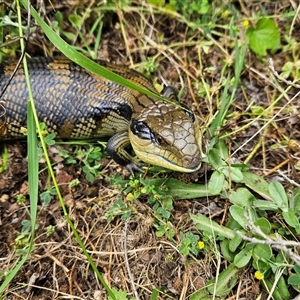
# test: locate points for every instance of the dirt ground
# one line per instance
(130, 251)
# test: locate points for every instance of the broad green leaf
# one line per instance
(241, 167)
(181, 190)
(216, 182)
(155, 293)
(75, 20)
(238, 213)
(233, 224)
(264, 225)
(265, 36)
(226, 253)
(268, 284)
(265, 205)
(234, 243)
(290, 218)
(215, 159)
(294, 279)
(278, 195)
(200, 294)
(297, 203)
(118, 294)
(206, 224)
(257, 184)
(261, 265)
(243, 258)
(281, 257)
(287, 69)
(242, 197)
(283, 289)
(297, 269)
(203, 7)
(223, 150)
(234, 174)
(261, 251)
(223, 284)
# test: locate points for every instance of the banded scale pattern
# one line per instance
(74, 103)
(71, 102)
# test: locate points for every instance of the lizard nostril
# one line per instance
(190, 161)
(186, 160)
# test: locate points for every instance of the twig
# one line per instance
(288, 82)
(288, 179)
(293, 23)
(245, 290)
(276, 244)
(33, 278)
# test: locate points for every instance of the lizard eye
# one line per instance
(159, 139)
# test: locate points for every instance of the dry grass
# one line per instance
(261, 129)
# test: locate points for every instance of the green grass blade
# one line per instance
(33, 117)
(12, 274)
(226, 101)
(33, 167)
(81, 60)
(219, 119)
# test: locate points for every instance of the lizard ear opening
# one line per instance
(144, 132)
(141, 129)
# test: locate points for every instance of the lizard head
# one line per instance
(167, 136)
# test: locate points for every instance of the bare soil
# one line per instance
(57, 268)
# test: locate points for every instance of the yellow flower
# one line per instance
(246, 23)
(259, 275)
(201, 245)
